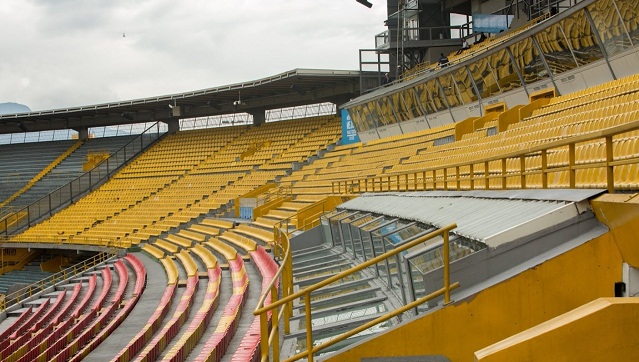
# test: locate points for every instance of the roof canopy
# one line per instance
(292, 88)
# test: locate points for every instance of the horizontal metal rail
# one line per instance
(449, 177)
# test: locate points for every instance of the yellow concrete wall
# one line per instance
(555, 287)
(620, 212)
(603, 330)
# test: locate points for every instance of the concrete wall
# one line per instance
(603, 330)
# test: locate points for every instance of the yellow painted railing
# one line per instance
(450, 177)
(54, 239)
(30, 290)
(270, 338)
(284, 276)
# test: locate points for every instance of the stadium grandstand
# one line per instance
(478, 208)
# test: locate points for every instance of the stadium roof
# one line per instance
(288, 89)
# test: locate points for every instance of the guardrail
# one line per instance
(29, 291)
(55, 239)
(283, 306)
(284, 276)
(442, 177)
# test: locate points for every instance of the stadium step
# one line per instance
(333, 268)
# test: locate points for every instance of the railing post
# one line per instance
(309, 326)
(446, 253)
(274, 327)
(486, 174)
(544, 169)
(445, 178)
(434, 180)
(264, 335)
(522, 171)
(457, 180)
(504, 183)
(571, 165)
(423, 180)
(610, 170)
(289, 285)
(286, 291)
(472, 176)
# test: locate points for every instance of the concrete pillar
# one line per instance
(174, 125)
(83, 133)
(259, 116)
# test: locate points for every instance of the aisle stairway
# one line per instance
(341, 306)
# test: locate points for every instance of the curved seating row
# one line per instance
(138, 289)
(158, 343)
(155, 320)
(198, 325)
(249, 346)
(69, 329)
(61, 326)
(216, 345)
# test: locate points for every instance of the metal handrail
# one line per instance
(362, 185)
(263, 311)
(30, 290)
(54, 239)
(281, 248)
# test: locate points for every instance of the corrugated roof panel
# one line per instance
(477, 217)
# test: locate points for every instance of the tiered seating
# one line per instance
(188, 336)
(70, 167)
(106, 330)
(178, 179)
(196, 328)
(365, 161)
(41, 174)
(607, 105)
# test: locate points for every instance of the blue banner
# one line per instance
(349, 133)
(488, 23)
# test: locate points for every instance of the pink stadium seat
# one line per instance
(201, 320)
(4, 337)
(216, 345)
(164, 336)
(106, 330)
(251, 340)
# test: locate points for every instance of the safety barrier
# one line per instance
(270, 337)
(450, 177)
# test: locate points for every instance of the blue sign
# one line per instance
(349, 133)
(488, 23)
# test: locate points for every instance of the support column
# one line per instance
(83, 133)
(173, 124)
(259, 116)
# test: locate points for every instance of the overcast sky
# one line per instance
(61, 53)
